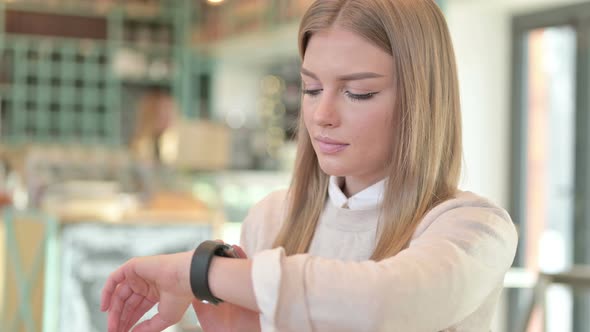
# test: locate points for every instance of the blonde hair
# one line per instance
(426, 141)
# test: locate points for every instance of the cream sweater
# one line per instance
(448, 279)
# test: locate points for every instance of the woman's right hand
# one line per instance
(226, 317)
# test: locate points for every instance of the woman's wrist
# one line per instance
(229, 279)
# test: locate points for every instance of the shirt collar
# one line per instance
(367, 199)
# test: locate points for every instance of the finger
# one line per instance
(141, 309)
(241, 253)
(130, 306)
(121, 294)
(202, 311)
(110, 286)
(154, 324)
(198, 305)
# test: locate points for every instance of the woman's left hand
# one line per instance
(142, 282)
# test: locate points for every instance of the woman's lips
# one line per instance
(328, 146)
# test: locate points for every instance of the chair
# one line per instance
(28, 253)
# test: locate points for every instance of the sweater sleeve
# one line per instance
(441, 278)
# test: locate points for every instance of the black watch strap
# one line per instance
(199, 271)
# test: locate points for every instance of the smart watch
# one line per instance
(199, 271)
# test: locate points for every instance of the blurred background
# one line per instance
(139, 127)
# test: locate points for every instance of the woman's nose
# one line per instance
(326, 113)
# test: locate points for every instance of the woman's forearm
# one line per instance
(231, 280)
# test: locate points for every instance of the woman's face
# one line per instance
(348, 106)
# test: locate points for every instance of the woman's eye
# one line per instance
(312, 92)
(365, 96)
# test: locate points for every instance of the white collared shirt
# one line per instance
(367, 199)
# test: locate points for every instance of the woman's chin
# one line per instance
(332, 168)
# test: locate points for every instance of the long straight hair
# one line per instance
(426, 143)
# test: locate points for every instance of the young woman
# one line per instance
(373, 233)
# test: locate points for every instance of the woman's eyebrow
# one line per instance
(347, 77)
(308, 73)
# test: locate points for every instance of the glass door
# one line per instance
(550, 136)
(551, 58)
